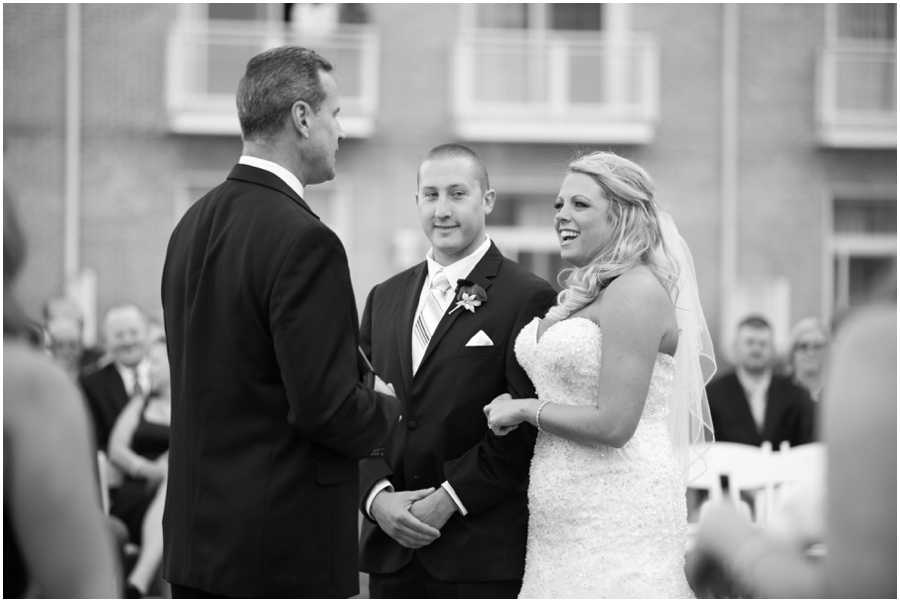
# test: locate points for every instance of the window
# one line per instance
(521, 226)
(864, 248)
(554, 73)
(867, 21)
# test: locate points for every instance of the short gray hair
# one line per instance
(273, 82)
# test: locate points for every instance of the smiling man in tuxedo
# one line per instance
(447, 505)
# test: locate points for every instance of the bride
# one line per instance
(621, 403)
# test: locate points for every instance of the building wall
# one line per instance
(133, 166)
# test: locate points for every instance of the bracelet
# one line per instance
(537, 416)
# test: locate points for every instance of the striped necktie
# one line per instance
(429, 317)
(137, 390)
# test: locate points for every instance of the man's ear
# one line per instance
(300, 114)
(489, 197)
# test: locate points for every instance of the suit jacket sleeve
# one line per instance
(372, 469)
(312, 316)
(489, 472)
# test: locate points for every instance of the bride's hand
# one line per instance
(504, 414)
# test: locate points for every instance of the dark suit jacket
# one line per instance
(269, 417)
(106, 397)
(790, 412)
(443, 434)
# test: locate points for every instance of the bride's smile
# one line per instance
(581, 218)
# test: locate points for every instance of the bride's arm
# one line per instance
(634, 314)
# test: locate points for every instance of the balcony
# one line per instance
(206, 61)
(559, 88)
(857, 96)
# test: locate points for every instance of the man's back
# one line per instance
(267, 412)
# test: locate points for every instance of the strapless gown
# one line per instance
(604, 522)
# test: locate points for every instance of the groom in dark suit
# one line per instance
(269, 416)
(443, 334)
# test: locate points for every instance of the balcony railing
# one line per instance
(857, 98)
(558, 88)
(206, 62)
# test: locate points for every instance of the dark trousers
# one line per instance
(413, 581)
(183, 591)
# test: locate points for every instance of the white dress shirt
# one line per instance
(756, 388)
(127, 374)
(274, 168)
(455, 271)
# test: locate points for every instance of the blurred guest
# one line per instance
(64, 327)
(751, 404)
(55, 541)
(860, 429)
(809, 341)
(109, 387)
(139, 446)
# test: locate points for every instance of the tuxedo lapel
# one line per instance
(410, 291)
(482, 275)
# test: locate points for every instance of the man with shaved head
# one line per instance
(447, 503)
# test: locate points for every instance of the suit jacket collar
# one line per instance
(482, 275)
(261, 177)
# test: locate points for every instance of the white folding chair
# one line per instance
(103, 473)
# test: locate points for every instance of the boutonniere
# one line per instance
(468, 295)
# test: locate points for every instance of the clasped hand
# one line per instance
(397, 515)
(504, 414)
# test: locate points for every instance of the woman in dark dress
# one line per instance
(139, 446)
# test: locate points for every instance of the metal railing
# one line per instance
(565, 78)
(205, 63)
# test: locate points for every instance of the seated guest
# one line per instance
(64, 328)
(751, 405)
(809, 343)
(108, 387)
(139, 447)
(859, 425)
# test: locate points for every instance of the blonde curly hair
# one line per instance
(636, 237)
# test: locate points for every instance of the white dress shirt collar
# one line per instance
(127, 374)
(756, 388)
(274, 168)
(459, 269)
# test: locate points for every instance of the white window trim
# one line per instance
(843, 246)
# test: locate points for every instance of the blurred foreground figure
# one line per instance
(55, 543)
(860, 430)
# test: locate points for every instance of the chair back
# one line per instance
(103, 475)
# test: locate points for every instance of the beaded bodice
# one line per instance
(604, 521)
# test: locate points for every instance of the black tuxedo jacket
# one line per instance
(106, 397)
(269, 418)
(790, 412)
(443, 433)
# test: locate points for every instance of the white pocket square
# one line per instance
(480, 340)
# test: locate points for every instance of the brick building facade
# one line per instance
(777, 160)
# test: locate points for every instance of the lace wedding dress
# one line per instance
(604, 522)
